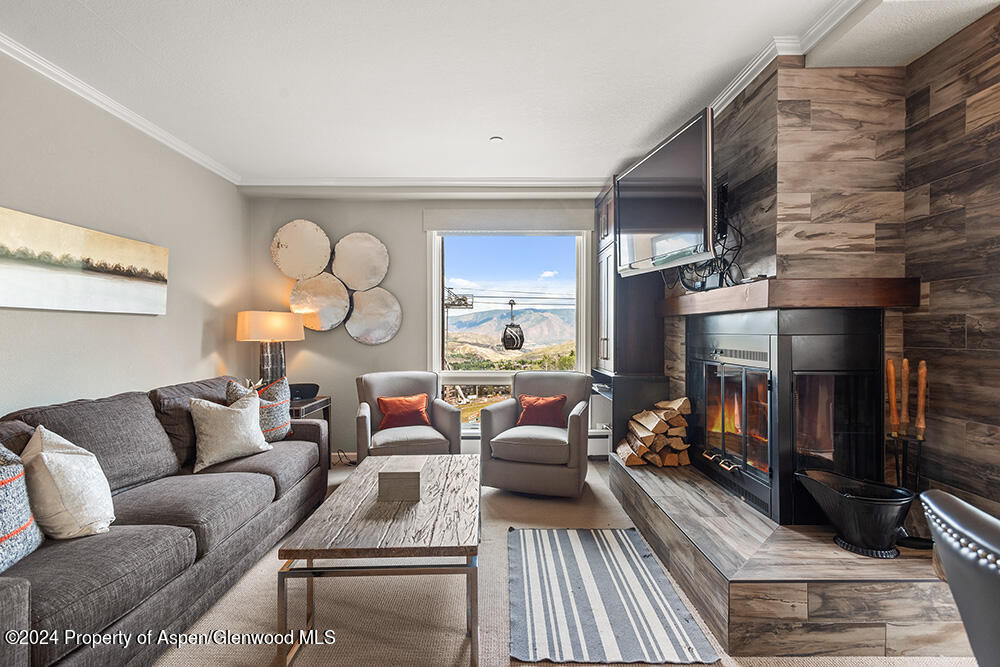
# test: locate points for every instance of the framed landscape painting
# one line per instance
(56, 266)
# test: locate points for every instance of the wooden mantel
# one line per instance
(799, 293)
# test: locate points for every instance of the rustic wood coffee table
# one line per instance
(352, 523)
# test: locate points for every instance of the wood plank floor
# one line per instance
(770, 590)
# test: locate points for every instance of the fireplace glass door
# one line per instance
(836, 423)
(737, 415)
(757, 421)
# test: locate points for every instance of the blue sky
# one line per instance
(504, 266)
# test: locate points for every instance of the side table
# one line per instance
(303, 407)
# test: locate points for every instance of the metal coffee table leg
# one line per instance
(285, 655)
(309, 598)
(282, 651)
(472, 608)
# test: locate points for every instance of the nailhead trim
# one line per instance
(966, 546)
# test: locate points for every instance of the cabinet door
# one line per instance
(605, 309)
(606, 217)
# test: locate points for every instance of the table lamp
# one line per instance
(271, 329)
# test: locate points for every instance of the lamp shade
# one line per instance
(269, 326)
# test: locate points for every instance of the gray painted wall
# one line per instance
(68, 160)
(332, 358)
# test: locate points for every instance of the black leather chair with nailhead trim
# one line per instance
(967, 542)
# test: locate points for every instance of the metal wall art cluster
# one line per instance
(348, 292)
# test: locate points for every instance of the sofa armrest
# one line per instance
(448, 420)
(14, 615)
(494, 420)
(313, 430)
(363, 424)
(579, 433)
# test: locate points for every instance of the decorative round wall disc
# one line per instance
(376, 316)
(321, 300)
(301, 249)
(360, 260)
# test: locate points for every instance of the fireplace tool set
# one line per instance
(903, 442)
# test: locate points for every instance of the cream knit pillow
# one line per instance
(223, 433)
(67, 489)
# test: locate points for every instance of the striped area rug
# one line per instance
(596, 596)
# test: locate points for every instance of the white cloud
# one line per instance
(462, 283)
(548, 274)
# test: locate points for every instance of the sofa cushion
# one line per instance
(275, 404)
(122, 431)
(532, 444)
(172, 405)
(286, 464)
(85, 584)
(213, 506)
(69, 493)
(227, 432)
(408, 440)
(19, 532)
(14, 435)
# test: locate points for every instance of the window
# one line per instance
(470, 399)
(475, 277)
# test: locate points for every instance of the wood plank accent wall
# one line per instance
(746, 158)
(840, 172)
(952, 244)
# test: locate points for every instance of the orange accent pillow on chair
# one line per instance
(403, 411)
(542, 410)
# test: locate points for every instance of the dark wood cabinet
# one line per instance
(605, 219)
(605, 309)
(629, 333)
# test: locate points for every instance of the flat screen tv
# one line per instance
(664, 203)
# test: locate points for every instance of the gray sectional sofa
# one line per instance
(179, 540)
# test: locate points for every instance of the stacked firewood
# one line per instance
(657, 436)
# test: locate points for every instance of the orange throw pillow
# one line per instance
(542, 410)
(403, 411)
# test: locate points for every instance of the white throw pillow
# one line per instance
(223, 433)
(67, 489)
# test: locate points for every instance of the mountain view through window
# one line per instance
(482, 275)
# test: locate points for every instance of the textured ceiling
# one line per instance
(322, 89)
(894, 32)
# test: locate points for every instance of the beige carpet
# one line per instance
(420, 620)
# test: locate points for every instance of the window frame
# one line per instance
(435, 282)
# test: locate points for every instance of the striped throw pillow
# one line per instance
(19, 534)
(275, 418)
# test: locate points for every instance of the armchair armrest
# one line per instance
(363, 424)
(448, 420)
(578, 434)
(494, 420)
(14, 616)
(313, 430)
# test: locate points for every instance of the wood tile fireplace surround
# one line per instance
(867, 174)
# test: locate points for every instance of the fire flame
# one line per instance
(734, 421)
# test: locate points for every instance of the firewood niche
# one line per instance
(657, 436)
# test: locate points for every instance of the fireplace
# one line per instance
(775, 391)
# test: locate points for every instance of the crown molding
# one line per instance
(415, 187)
(763, 58)
(825, 24)
(50, 70)
(425, 188)
(787, 45)
(431, 182)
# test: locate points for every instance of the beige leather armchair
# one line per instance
(545, 460)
